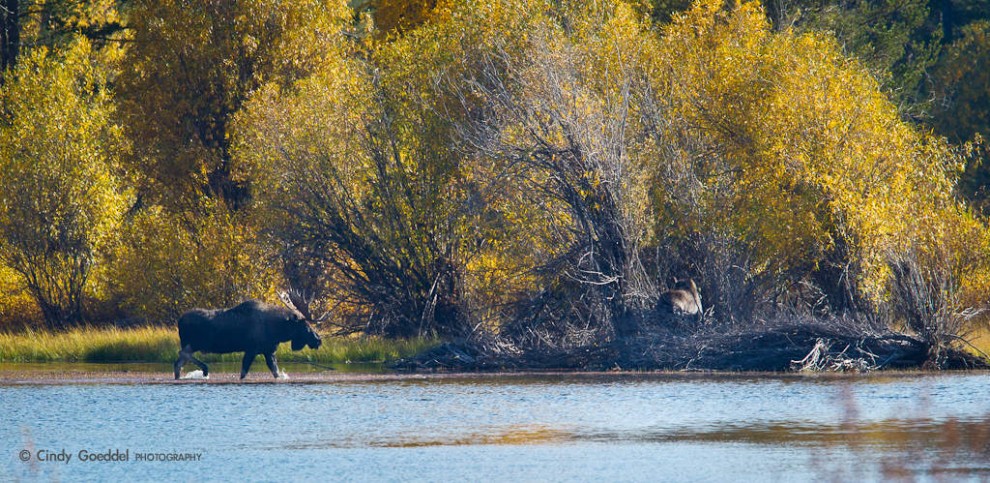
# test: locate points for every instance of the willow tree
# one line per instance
(191, 66)
(557, 112)
(758, 161)
(796, 157)
(355, 187)
(61, 196)
(189, 70)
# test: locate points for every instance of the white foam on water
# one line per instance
(283, 375)
(195, 375)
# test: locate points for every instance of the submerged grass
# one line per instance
(161, 344)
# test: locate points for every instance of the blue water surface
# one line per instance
(557, 428)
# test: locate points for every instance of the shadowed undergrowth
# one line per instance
(160, 344)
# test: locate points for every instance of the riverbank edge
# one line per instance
(53, 376)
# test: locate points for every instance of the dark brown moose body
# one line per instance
(253, 327)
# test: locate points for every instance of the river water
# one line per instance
(504, 428)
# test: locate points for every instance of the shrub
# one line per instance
(168, 263)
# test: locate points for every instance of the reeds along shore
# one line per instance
(161, 344)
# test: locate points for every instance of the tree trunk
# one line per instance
(10, 34)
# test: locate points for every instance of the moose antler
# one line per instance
(300, 302)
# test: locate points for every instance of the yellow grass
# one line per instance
(160, 344)
(980, 338)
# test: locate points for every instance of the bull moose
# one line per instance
(683, 300)
(253, 327)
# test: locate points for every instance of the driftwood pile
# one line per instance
(807, 345)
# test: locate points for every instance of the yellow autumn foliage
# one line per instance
(62, 195)
(190, 67)
(168, 263)
(797, 148)
(462, 160)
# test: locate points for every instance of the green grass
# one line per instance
(159, 344)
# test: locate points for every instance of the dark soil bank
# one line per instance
(793, 347)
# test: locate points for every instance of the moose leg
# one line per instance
(272, 364)
(246, 363)
(186, 355)
(201, 364)
(183, 357)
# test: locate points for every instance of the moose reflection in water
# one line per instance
(253, 327)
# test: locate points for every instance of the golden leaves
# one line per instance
(62, 196)
(807, 142)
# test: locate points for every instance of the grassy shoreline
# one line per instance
(161, 344)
